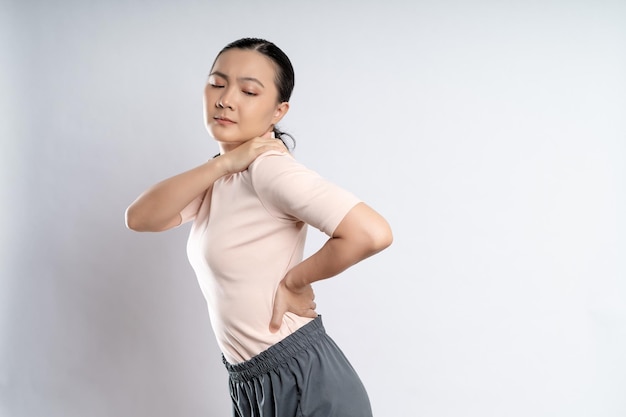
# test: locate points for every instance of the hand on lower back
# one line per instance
(299, 301)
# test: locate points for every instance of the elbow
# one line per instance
(135, 221)
(365, 230)
(132, 220)
(387, 239)
(375, 238)
(381, 238)
(141, 220)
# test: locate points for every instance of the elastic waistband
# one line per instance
(277, 354)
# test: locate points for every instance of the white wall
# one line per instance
(492, 136)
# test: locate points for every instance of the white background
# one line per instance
(491, 135)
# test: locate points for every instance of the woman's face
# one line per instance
(241, 98)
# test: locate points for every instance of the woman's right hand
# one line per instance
(243, 155)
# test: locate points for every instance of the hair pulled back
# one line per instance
(285, 77)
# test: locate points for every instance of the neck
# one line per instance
(227, 147)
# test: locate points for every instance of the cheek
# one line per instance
(259, 112)
(267, 111)
(207, 97)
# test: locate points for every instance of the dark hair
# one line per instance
(285, 77)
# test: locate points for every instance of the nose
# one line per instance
(224, 100)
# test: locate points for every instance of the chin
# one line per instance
(226, 138)
(220, 137)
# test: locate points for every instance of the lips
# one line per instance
(222, 119)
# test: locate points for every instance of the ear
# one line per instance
(280, 112)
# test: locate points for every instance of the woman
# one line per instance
(250, 208)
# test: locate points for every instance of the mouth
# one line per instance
(223, 120)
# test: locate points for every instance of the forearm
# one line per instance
(334, 257)
(158, 207)
(361, 234)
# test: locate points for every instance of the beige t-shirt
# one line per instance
(249, 229)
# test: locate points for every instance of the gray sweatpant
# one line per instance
(304, 375)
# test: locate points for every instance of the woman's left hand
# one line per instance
(299, 301)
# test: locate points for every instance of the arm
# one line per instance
(159, 207)
(362, 233)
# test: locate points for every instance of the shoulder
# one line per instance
(273, 157)
(272, 165)
(288, 189)
(280, 178)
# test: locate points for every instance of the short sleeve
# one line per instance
(290, 191)
(191, 210)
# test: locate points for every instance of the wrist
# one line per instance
(220, 165)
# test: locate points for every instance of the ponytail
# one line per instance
(279, 134)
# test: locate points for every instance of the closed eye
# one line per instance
(216, 85)
(249, 93)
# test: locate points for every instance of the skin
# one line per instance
(240, 109)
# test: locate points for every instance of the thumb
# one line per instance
(277, 319)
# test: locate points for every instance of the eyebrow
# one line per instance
(222, 75)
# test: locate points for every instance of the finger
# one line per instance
(275, 146)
